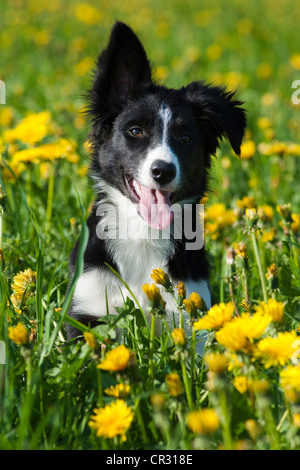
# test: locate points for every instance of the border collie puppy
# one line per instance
(152, 149)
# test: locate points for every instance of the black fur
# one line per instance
(124, 94)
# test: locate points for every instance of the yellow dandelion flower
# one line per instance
(31, 129)
(276, 351)
(161, 73)
(268, 235)
(90, 339)
(116, 359)
(216, 362)
(247, 150)
(212, 229)
(17, 298)
(264, 123)
(290, 377)
(284, 210)
(153, 294)
(174, 384)
(213, 52)
(241, 249)
(205, 421)
(234, 361)
(246, 202)
(113, 420)
(295, 61)
(6, 116)
(23, 286)
(259, 385)
(295, 225)
(239, 333)
(178, 335)
(296, 419)
(62, 148)
(265, 213)
(264, 70)
(24, 281)
(118, 391)
(160, 277)
(18, 333)
(274, 148)
(87, 13)
(272, 271)
(194, 302)
(84, 66)
(216, 316)
(273, 308)
(241, 383)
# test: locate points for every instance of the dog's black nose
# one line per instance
(162, 172)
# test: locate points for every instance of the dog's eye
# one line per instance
(136, 132)
(185, 138)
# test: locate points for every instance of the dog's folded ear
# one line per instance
(218, 114)
(122, 73)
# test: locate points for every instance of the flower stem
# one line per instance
(140, 420)
(226, 420)
(193, 358)
(50, 194)
(261, 274)
(151, 348)
(100, 389)
(187, 385)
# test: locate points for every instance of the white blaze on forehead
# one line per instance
(166, 116)
(161, 152)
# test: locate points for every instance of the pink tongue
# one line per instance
(155, 208)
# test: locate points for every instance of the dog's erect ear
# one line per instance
(218, 114)
(123, 72)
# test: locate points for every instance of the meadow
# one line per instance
(140, 391)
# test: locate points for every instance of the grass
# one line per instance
(50, 389)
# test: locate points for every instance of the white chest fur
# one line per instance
(136, 255)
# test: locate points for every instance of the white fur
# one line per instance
(161, 152)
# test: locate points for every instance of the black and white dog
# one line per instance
(152, 149)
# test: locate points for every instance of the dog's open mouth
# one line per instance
(153, 205)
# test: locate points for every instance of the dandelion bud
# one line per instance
(285, 211)
(272, 276)
(174, 385)
(158, 401)
(216, 362)
(90, 339)
(154, 295)
(160, 277)
(296, 420)
(178, 335)
(181, 289)
(194, 303)
(205, 421)
(253, 428)
(251, 214)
